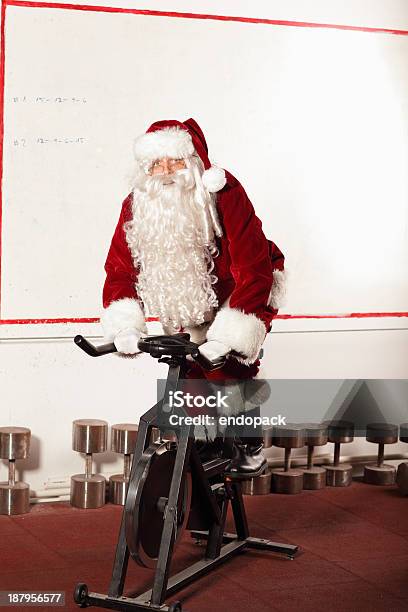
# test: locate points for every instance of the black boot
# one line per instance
(248, 460)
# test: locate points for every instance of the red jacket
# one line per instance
(249, 269)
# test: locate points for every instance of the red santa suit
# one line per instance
(249, 271)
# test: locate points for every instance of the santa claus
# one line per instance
(189, 249)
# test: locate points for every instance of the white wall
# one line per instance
(46, 382)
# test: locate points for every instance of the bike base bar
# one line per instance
(200, 568)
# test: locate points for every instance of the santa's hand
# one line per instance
(126, 341)
(213, 350)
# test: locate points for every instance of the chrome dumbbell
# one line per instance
(402, 472)
(314, 477)
(286, 479)
(380, 473)
(259, 485)
(339, 474)
(14, 495)
(123, 441)
(88, 436)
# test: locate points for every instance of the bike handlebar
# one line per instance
(92, 350)
(159, 346)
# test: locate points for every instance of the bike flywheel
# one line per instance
(146, 503)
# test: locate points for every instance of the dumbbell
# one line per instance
(123, 441)
(287, 480)
(267, 436)
(314, 477)
(260, 485)
(88, 436)
(381, 434)
(402, 472)
(14, 495)
(404, 432)
(339, 474)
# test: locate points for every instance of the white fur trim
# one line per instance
(122, 314)
(277, 295)
(214, 179)
(242, 332)
(171, 142)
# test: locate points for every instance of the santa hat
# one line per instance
(176, 139)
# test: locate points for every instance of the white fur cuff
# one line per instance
(122, 314)
(244, 333)
(278, 292)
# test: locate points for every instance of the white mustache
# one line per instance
(182, 178)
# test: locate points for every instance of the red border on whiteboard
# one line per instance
(106, 9)
(284, 317)
(2, 66)
(276, 22)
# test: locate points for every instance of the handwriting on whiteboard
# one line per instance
(48, 100)
(25, 142)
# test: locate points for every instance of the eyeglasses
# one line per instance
(160, 166)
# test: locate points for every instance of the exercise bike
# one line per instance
(170, 489)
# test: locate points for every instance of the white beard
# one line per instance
(168, 239)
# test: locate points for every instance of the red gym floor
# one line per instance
(354, 554)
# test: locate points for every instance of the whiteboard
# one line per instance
(314, 123)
